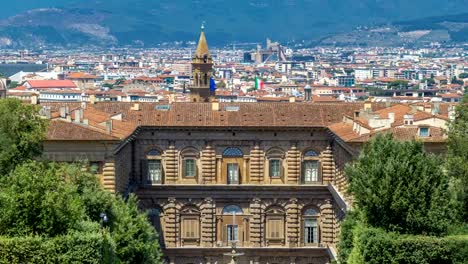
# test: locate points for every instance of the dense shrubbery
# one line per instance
(74, 248)
(47, 202)
(374, 245)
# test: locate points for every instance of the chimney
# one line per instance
(292, 99)
(172, 98)
(109, 126)
(135, 107)
(62, 112)
(77, 116)
(34, 99)
(391, 116)
(368, 106)
(436, 108)
(215, 106)
(92, 99)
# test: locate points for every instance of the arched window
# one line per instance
(190, 225)
(206, 79)
(311, 167)
(275, 225)
(233, 152)
(153, 167)
(232, 156)
(310, 226)
(232, 227)
(232, 209)
(275, 159)
(154, 152)
(310, 153)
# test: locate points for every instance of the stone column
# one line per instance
(208, 161)
(256, 165)
(109, 181)
(208, 229)
(294, 165)
(172, 164)
(171, 223)
(328, 166)
(327, 227)
(293, 223)
(256, 223)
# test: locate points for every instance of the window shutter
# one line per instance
(224, 236)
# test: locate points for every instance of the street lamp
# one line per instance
(104, 219)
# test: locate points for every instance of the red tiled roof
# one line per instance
(61, 130)
(41, 84)
(80, 75)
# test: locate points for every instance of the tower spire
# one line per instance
(202, 47)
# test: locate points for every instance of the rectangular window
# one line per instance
(275, 168)
(310, 231)
(233, 173)
(424, 132)
(190, 228)
(275, 229)
(154, 171)
(190, 168)
(232, 234)
(311, 170)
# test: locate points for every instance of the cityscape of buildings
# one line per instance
(237, 155)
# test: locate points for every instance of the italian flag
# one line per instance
(259, 84)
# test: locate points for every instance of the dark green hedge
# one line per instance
(371, 245)
(76, 248)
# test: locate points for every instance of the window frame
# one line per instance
(184, 167)
(428, 131)
(278, 216)
(279, 168)
(309, 157)
(149, 179)
(229, 181)
(153, 155)
(190, 217)
(316, 218)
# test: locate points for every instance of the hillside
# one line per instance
(445, 29)
(148, 22)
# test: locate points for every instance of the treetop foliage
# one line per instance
(399, 187)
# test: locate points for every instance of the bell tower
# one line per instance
(202, 71)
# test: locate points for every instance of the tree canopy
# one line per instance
(22, 131)
(51, 200)
(457, 155)
(399, 187)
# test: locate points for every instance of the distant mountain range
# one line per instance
(36, 23)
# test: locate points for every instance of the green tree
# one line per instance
(399, 187)
(457, 155)
(463, 75)
(456, 81)
(13, 84)
(51, 200)
(22, 131)
(399, 84)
